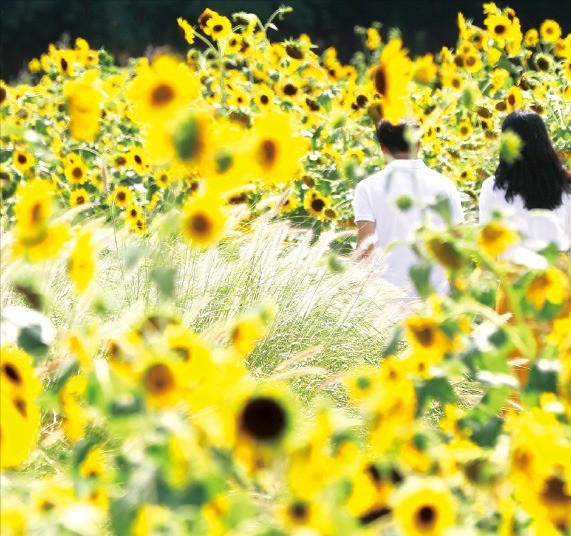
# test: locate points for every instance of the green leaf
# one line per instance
(420, 275)
(486, 434)
(442, 207)
(543, 376)
(164, 279)
(392, 346)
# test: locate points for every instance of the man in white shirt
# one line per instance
(392, 204)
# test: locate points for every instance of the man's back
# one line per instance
(379, 199)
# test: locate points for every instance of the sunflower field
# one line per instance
(189, 345)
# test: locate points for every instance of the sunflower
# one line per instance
(23, 161)
(33, 208)
(249, 329)
(499, 27)
(531, 38)
(161, 381)
(264, 98)
(316, 204)
(425, 335)
(160, 91)
(84, 101)
(373, 39)
(495, 238)
(20, 418)
(203, 221)
(132, 213)
(79, 197)
(425, 70)
(391, 78)
(82, 262)
(550, 31)
(233, 44)
(514, 99)
(425, 508)
(543, 62)
(187, 30)
(552, 286)
(121, 196)
(75, 169)
(465, 130)
(218, 27)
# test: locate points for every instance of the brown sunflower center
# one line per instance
(263, 418)
(138, 159)
(381, 81)
(200, 224)
(80, 200)
(554, 491)
(299, 511)
(77, 173)
(36, 213)
(499, 29)
(20, 404)
(269, 152)
(64, 64)
(120, 161)
(3, 94)
(162, 95)
(426, 516)
(12, 373)
(425, 336)
(22, 159)
(158, 379)
(318, 205)
(290, 90)
(121, 196)
(217, 28)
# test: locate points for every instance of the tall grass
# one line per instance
(340, 317)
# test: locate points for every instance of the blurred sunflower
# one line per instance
(203, 221)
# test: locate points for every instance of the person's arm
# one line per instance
(485, 203)
(365, 240)
(365, 221)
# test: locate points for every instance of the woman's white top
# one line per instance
(538, 227)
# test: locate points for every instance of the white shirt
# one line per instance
(376, 201)
(539, 227)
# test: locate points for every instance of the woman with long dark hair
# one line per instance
(536, 179)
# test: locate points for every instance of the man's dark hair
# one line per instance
(394, 138)
(537, 175)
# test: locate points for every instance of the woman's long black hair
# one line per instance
(537, 175)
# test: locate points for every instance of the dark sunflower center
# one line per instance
(269, 152)
(120, 161)
(264, 99)
(217, 28)
(294, 52)
(121, 196)
(290, 90)
(64, 64)
(138, 159)
(140, 225)
(374, 514)
(200, 224)
(381, 81)
(542, 64)
(424, 336)
(299, 511)
(77, 173)
(12, 373)
(312, 104)
(162, 95)
(134, 213)
(555, 491)
(470, 61)
(456, 83)
(318, 205)
(499, 29)
(362, 101)
(263, 419)
(80, 200)
(158, 379)
(36, 213)
(21, 407)
(3, 94)
(426, 516)
(22, 159)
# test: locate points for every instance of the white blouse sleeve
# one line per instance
(486, 200)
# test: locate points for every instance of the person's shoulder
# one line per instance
(445, 182)
(367, 182)
(488, 185)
